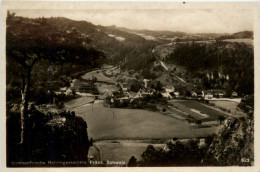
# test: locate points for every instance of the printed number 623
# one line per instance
(245, 160)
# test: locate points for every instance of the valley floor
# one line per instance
(122, 133)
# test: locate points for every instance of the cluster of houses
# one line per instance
(77, 86)
(128, 96)
(209, 94)
(169, 92)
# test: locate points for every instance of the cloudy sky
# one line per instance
(185, 20)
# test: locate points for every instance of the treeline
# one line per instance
(233, 59)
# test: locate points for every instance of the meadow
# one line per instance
(114, 123)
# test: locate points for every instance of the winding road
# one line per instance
(166, 68)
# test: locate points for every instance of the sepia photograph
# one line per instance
(171, 85)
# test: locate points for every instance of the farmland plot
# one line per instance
(197, 110)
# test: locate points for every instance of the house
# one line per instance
(147, 83)
(169, 89)
(138, 95)
(176, 94)
(125, 86)
(76, 85)
(124, 100)
(167, 95)
(208, 95)
(218, 93)
(132, 94)
(193, 94)
(202, 142)
(234, 94)
(200, 94)
(84, 88)
(142, 93)
(63, 89)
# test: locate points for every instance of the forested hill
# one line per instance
(48, 53)
(62, 47)
(119, 46)
(244, 34)
(227, 65)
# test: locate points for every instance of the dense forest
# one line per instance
(49, 54)
(220, 65)
(133, 51)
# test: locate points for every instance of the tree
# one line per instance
(198, 122)
(164, 110)
(159, 86)
(227, 89)
(188, 94)
(221, 119)
(73, 92)
(132, 162)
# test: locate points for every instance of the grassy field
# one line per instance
(122, 150)
(78, 102)
(122, 133)
(229, 105)
(197, 110)
(99, 75)
(113, 123)
(246, 41)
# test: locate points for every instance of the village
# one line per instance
(90, 91)
(130, 89)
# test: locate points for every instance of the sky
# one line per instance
(185, 20)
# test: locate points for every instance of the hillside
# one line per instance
(47, 54)
(243, 35)
(225, 65)
(118, 46)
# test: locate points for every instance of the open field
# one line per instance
(122, 133)
(100, 76)
(105, 88)
(246, 41)
(197, 110)
(114, 123)
(78, 102)
(229, 105)
(122, 150)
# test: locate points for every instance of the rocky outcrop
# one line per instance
(234, 144)
(55, 139)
